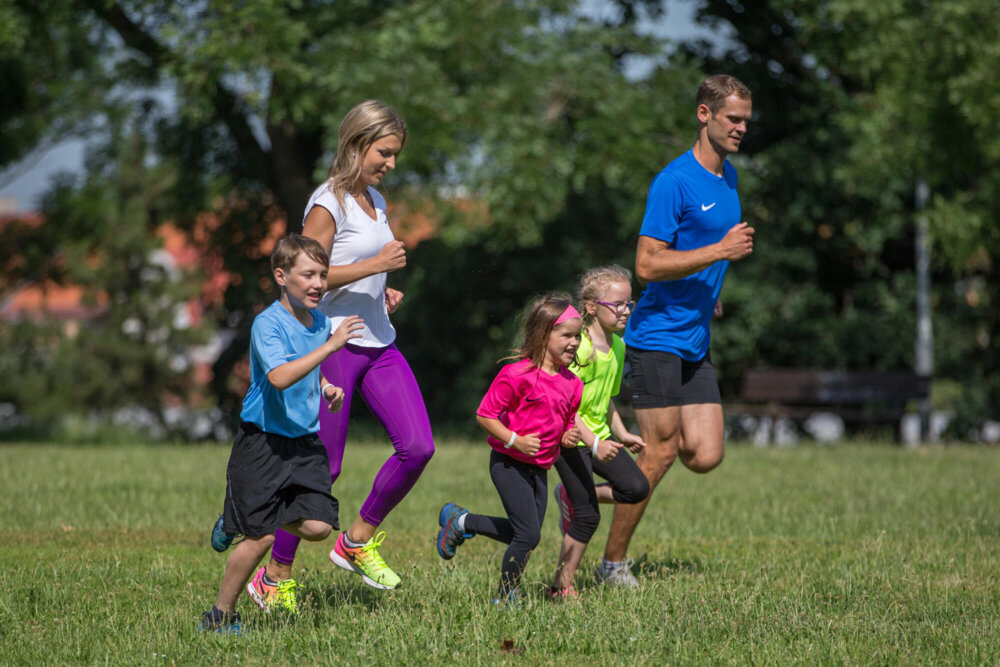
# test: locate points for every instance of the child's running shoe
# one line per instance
(268, 596)
(221, 540)
(617, 574)
(365, 561)
(451, 536)
(218, 621)
(565, 508)
(562, 594)
(510, 601)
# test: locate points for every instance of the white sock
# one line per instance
(461, 522)
(351, 543)
(610, 564)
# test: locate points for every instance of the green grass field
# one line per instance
(849, 554)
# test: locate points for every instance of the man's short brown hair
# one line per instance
(288, 249)
(714, 91)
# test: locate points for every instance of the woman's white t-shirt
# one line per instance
(358, 237)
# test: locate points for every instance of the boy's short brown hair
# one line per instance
(288, 249)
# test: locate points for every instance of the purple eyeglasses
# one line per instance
(619, 308)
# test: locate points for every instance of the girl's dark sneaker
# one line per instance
(450, 536)
(511, 601)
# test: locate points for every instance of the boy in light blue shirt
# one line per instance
(278, 474)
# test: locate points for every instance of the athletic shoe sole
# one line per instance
(220, 541)
(257, 597)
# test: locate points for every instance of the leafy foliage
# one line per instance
(101, 237)
(856, 102)
(508, 106)
(535, 149)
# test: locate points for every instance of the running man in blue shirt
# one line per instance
(692, 230)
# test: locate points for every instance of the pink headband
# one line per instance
(567, 314)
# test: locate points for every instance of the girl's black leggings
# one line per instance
(576, 468)
(523, 491)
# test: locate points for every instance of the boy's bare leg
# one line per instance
(308, 529)
(240, 565)
(278, 571)
(703, 433)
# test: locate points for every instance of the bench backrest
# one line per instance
(797, 386)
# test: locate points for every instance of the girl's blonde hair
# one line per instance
(594, 281)
(364, 124)
(538, 324)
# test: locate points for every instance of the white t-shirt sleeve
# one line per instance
(358, 237)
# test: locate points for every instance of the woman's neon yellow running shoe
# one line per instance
(365, 561)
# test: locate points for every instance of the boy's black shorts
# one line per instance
(662, 380)
(272, 481)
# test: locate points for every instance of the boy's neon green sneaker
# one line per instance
(365, 561)
(268, 596)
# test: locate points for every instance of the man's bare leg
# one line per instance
(695, 432)
(703, 431)
(661, 429)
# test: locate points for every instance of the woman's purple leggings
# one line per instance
(389, 389)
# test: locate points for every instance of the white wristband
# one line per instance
(510, 443)
(322, 391)
(593, 448)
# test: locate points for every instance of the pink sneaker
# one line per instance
(562, 594)
(565, 508)
(268, 597)
(365, 561)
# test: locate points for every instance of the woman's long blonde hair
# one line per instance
(364, 124)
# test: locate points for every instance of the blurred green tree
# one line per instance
(856, 101)
(528, 139)
(101, 236)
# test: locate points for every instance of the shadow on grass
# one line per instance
(662, 567)
(339, 595)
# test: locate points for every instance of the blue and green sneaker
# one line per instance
(451, 536)
(221, 540)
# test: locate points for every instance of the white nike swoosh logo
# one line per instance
(705, 208)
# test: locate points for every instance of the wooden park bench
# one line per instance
(860, 398)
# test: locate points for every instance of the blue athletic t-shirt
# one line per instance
(688, 207)
(276, 338)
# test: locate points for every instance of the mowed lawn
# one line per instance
(850, 554)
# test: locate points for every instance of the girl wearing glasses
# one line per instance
(605, 300)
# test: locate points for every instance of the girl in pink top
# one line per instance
(528, 414)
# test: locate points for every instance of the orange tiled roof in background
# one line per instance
(410, 224)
